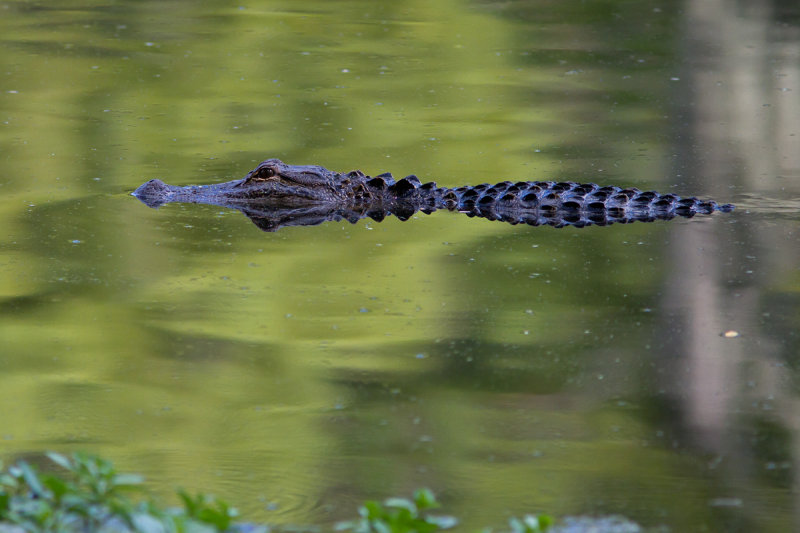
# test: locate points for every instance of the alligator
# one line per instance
(275, 194)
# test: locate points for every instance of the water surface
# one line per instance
(648, 370)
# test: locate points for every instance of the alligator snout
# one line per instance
(154, 193)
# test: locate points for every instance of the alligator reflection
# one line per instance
(275, 195)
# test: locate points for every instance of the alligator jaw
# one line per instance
(156, 193)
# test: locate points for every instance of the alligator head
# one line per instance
(272, 182)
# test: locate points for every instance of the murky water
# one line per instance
(646, 369)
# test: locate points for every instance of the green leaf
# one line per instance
(345, 525)
(546, 521)
(7, 480)
(147, 523)
(31, 479)
(382, 527)
(198, 527)
(401, 503)
(371, 509)
(189, 503)
(442, 522)
(424, 499)
(60, 460)
(57, 486)
(530, 524)
(127, 480)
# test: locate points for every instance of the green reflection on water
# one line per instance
(306, 370)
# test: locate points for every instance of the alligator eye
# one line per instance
(263, 173)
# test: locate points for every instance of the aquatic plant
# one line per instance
(399, 515)
(92, 496)
(89, 495)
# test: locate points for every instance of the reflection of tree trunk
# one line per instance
(739, 125)
(705, 368)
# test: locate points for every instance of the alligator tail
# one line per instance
(570, 203)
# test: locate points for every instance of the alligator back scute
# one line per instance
(380, 183)
(403, 186)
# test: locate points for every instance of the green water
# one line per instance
(510, 369)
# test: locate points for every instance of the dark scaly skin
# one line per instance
(275, 194)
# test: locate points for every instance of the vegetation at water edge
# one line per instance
(88, 494)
